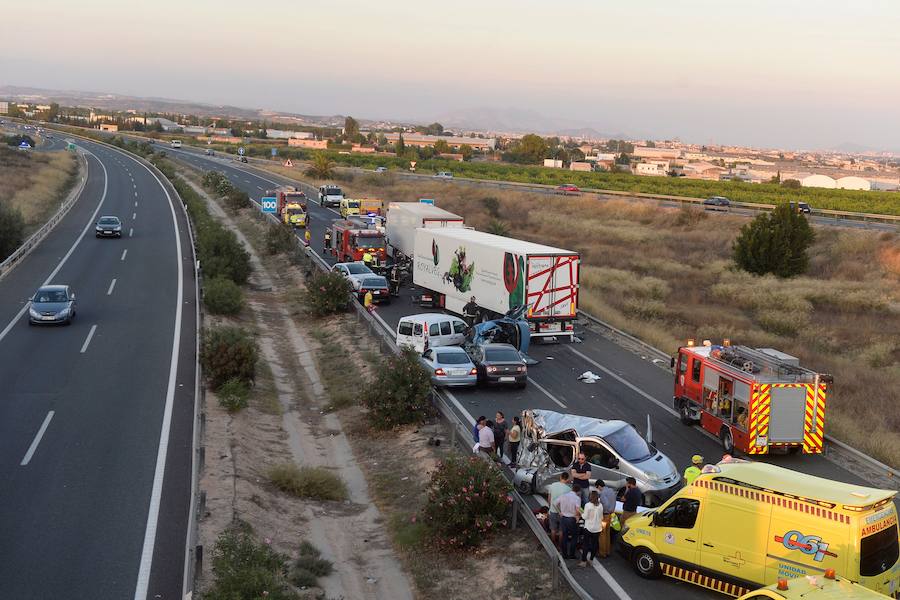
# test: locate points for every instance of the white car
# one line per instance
(381, 169)
(430, 330)
(355, 272)
(443, 175)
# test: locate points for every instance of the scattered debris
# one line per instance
(589, 377)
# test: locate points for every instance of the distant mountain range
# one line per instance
(517, 120)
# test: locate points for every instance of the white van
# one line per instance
(430, 330)
(176, 143)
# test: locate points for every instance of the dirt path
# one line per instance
(350, 534)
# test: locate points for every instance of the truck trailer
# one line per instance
(403, 218)
(454, 264)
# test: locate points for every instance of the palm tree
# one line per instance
(498, 227)
(321, 167)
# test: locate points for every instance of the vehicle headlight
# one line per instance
(99, 228)
(117, 228)
(653, 477)
(63, 312)
(34, 313)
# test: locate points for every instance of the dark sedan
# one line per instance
(378, 285)
(52, 304)
(108, 226)
(716, 203)
(498, 363)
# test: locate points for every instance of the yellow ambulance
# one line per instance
(742, 525)
(814, 587)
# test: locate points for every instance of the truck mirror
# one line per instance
(672, 362)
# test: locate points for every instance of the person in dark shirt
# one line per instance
(631, 499)
(581, 478)
(470, 312)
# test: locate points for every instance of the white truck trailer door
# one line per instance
(552, 286)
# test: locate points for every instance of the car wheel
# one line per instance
(645, 563)
(727, 440)
(685, 414)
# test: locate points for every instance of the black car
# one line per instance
(108, 226)
(801, 207)
(378, 285)
(717, 203)
(498, 363)
(52, 304)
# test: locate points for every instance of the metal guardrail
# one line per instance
(38, 236)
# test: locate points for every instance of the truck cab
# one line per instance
(330, 195)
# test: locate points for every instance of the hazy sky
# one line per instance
(768, 72)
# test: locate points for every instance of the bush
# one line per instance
(221, 254)
(775, 243)
(228, 353)
(222, 296)
(237, 199)
(280, 239)
(468, 499)
(245, 568)
(326, 294)
(234, 395)
(309, 566)
(12, 230)
(308, 482)
(399, 395)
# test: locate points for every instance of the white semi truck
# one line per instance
(403, 218)
(453, 264)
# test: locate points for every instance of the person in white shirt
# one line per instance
(486, 438)
(592, 513)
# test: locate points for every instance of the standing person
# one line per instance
(608, 503)
(569, 507)
(554, 491)
(307, 237)
(367, 259)
(631, 499)
(693, 471)
(367, 301)
(581, 477)
(479, 423)
(395, 280)
(326, 245)
(515, 436)
(470, 312)
(593, 526)
(486, 438)
(500, 428)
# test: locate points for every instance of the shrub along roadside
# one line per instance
(245, 568)
(222, 296)
(399, 394)
(228, 353)
(326, 294)
(317, 483)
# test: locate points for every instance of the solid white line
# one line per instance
(610, 581)
(143, 579)
(37, 439)
(88, 339)
(112, 284)
(124, 252)
(548, 394)
(131, 232)
(627, 384)
(63, 260)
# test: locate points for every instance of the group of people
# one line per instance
(490, 437)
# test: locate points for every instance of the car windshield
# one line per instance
(453, 358)
(629, 444)
(50, 296)
(358, 269)
(369, 241)
(109, 221)
(353, 203)
(375, 282)
(333, 191)
(502, 355)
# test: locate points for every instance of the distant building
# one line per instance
(280, 134)
(652, 168)
(701, 170)
(108, 127)
(166, 124)
(360, 149)
(4, 108)
(418, 139)
(853, 183)
(661, 153)
(194, 129)
(817, 181)
(553, 163)
(581, 166)
(316, 144)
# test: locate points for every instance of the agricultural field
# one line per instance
(35, 183)
(666, 275)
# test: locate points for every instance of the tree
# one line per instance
(466, 151)
(381, 140)
(441, 147)
(775, 242)
(791, 184)
(351, 128)
(650, 144)
(531, 149)
(321, 167)
(400, 147)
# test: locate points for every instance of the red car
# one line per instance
(568, 188)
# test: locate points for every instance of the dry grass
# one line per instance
(666, 275)
(35, 183)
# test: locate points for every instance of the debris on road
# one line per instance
(589, 377)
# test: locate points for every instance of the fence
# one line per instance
(38, 236)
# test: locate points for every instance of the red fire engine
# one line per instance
(753, 400)
(351, 240)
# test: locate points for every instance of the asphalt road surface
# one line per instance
(631, 387)
(96, 418)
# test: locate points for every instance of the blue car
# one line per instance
(52, 304)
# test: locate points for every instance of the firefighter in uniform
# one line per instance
(693, 471)
(470, 312)
(327, 244)
(367, 258)
(395, 280)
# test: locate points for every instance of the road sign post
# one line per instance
(274, 152)
(269, 205)
(241, 150)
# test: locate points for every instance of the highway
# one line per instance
(631, 387)
(96, 418)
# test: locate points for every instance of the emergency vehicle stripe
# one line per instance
(814, 420)
(703, 580)
(760, 403)
(774, 499)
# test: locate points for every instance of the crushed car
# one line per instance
(551, 442)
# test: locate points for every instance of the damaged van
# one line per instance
(551, 442)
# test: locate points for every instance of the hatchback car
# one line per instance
(355, 272)
(568, 188)
(381, 169)
(378, 285)
(499, 363)
(108, 226)
(52, 304)
(450, 366)
(716, 203)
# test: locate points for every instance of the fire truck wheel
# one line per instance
(727, 440)
(645, 563)
(685, 413)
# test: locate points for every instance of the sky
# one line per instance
(769, 73)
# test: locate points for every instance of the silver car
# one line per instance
(355, 272)
(614, 449)
(52, 304)
(450, 366)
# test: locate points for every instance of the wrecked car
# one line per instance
(551, 442)
(511, 329)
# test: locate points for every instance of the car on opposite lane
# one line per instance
(443, 175)
(52, 304)
(568, 188)
(498, 363)
(716, 203)
(108, 226)
(450, 366)
(381, 169)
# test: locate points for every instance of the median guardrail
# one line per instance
(38, 236)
